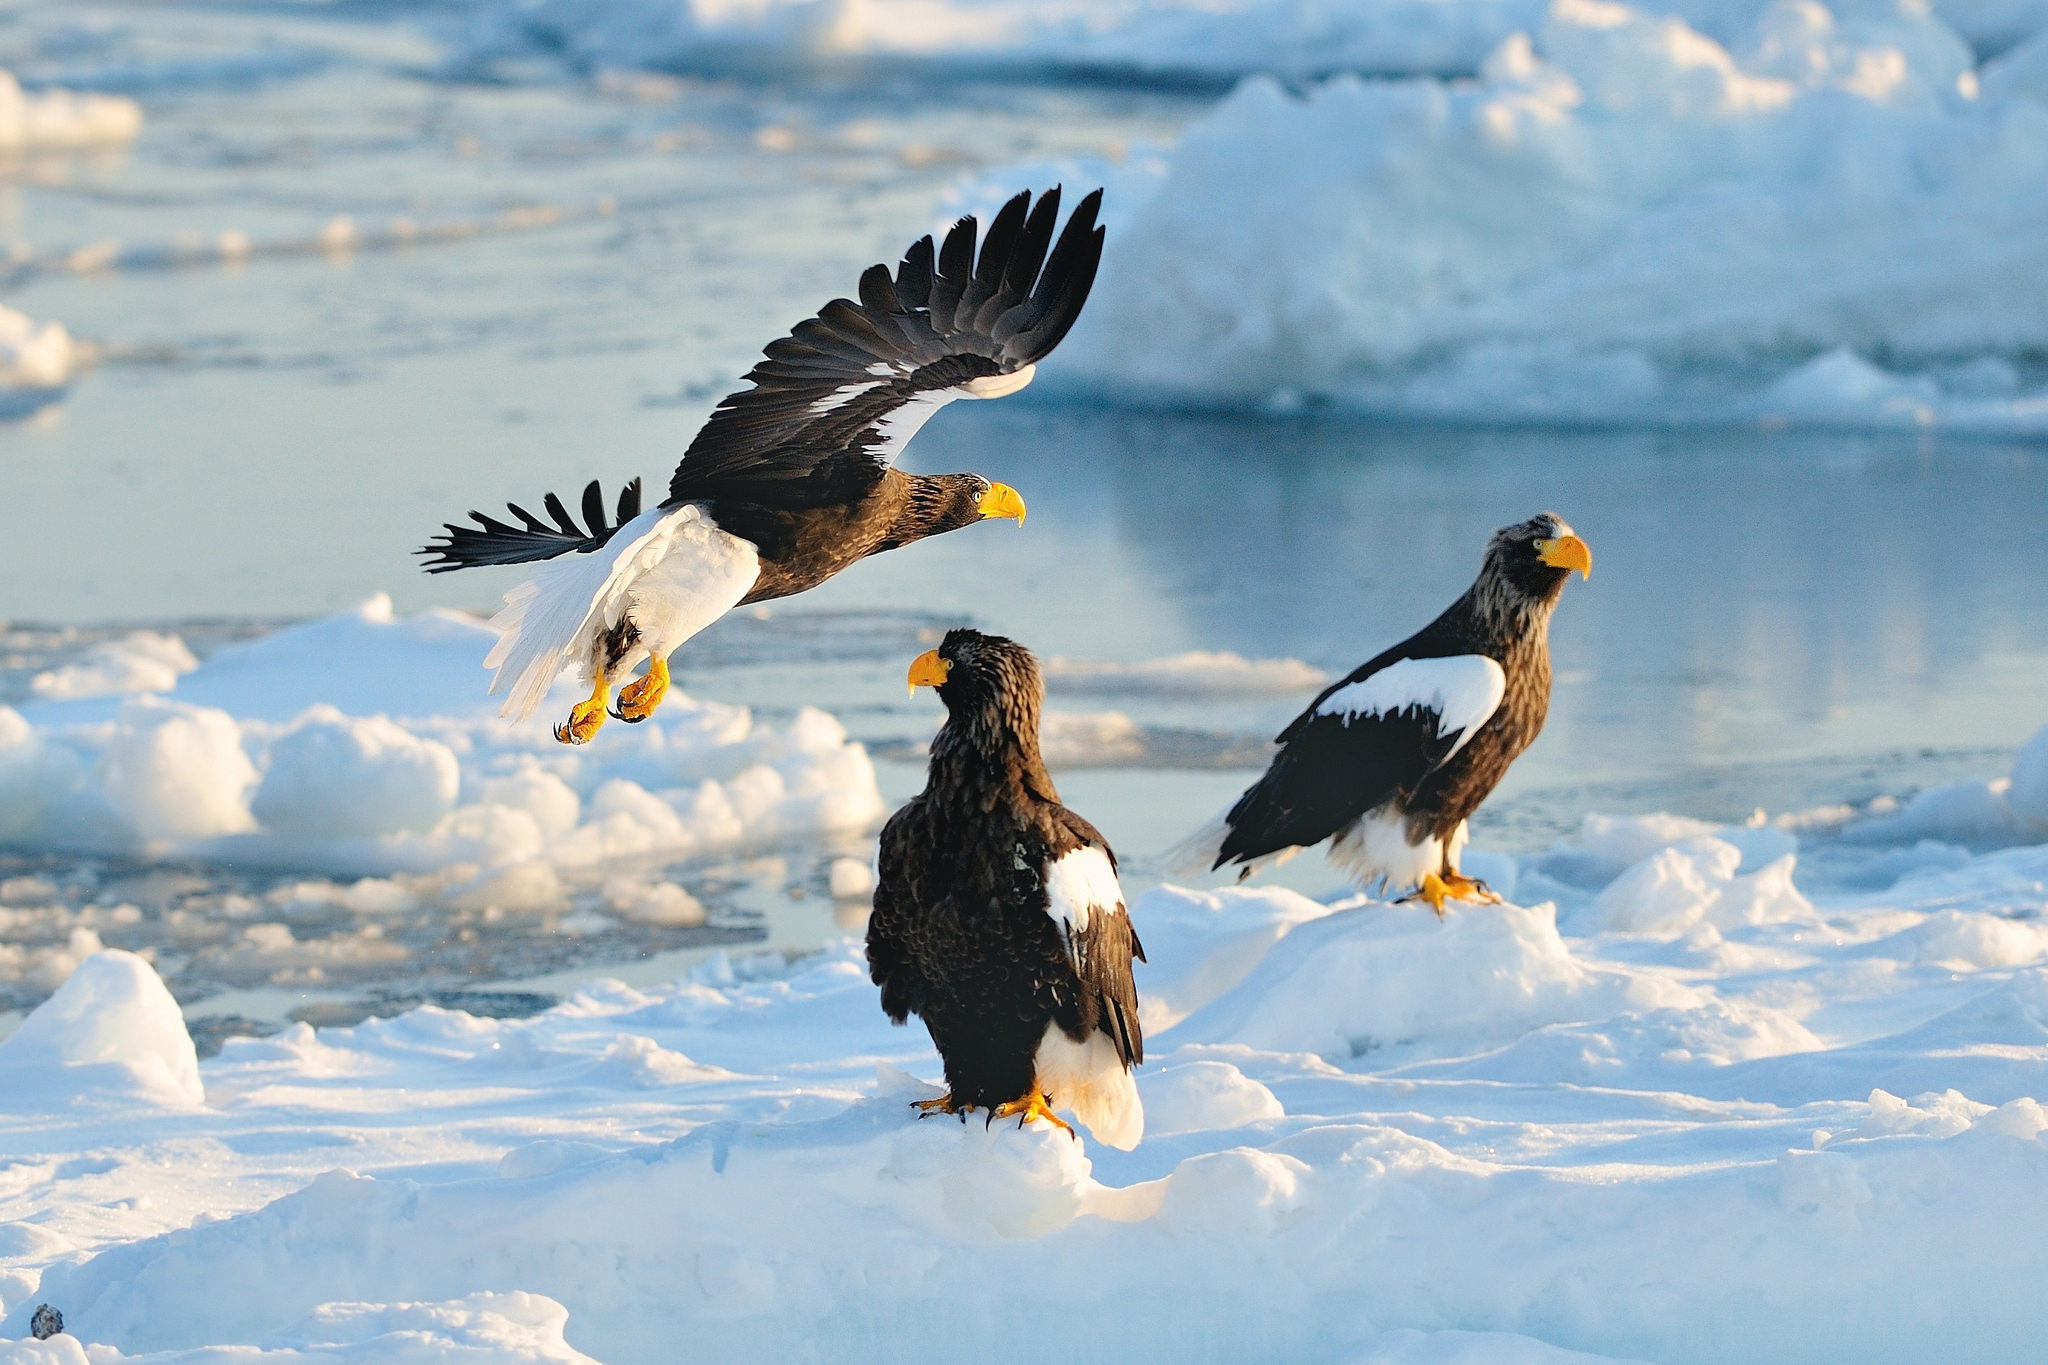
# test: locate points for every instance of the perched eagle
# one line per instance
(998, 918)
(1388, 763)
(789, 481)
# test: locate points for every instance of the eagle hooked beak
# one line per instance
(928, 669)
(1001, 500)
(1566, 552)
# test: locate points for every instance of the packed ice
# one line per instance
(1212, 39)
(1819, 217)
(1783, 1116)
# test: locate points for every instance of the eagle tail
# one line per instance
(1091, 1081)
(1199, 853)
(492, 541)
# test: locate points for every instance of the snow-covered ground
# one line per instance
(1664, 1104)
(1824, 218)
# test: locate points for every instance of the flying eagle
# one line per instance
(998, 919)
(1389, 762)
(790, 480)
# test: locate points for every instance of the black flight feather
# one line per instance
(492, 541)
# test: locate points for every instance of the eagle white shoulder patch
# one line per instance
(1079, 885)
(1464, 690)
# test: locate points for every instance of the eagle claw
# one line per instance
(637, 699)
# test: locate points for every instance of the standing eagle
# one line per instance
(998, 918)
(789, 481)
(1388, 763)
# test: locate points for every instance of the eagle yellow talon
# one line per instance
(1454, 886)
(1036, 1105)
(944, 1104)
(585, 716)
(637, 699)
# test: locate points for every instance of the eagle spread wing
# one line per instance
(1377, 733)
(853, 385)
(843, 393)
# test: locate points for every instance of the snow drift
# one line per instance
(1673, 1117)
(1832, 218)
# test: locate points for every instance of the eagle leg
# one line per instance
(1452, 886)
(1036, 1105)
(585, 716)
(944, 1104)
(637, 699)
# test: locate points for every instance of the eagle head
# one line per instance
(1527, 563)
(991, 686)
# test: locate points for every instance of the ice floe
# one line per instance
(52, 120)
(1211, 39)
(1826, 218)
(364, 745)
(1627, 1122)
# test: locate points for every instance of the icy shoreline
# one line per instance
(1664, 1104)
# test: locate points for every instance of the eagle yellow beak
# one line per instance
(928, 670)
(1566, 552)
(1001, 500)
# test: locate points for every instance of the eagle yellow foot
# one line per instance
(944, 1104)
(585, 716)
(1453, 886)
(1036, 1105)
(637, 699)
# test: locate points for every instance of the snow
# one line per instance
(1816, 217)
(363, 746)
(36, 361)
(2007, 809)
(140, 661)
(1801, 1124)
(1202, 39)
(62, 119)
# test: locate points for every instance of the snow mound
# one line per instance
(1695, 882)
(1620, 219)
(1378, 978)
(141, 661)
(2004, 810)
(364, 745)
(62, 119)
(478, 1329)
(111, 1030)
(1197, 673)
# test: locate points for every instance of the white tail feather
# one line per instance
(550, 622)
(1090, 1081)
(1195, 856)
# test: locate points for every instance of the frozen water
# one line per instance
(1621, 219)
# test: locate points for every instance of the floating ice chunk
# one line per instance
(849, 878)
(336, 776)
(2002, 810)
(111, 1030)
(56, 119)
(141, 661)
(1625, 217)
(170, 771)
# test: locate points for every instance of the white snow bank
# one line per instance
(478, 1329)
(1197, 673)
(1813, 1140)
(111, 1030)
(1203, 38)
(60, 119)
(1394, 978)
(2011, 809)
(364, 745)
(1823, 220)
(140, 661)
